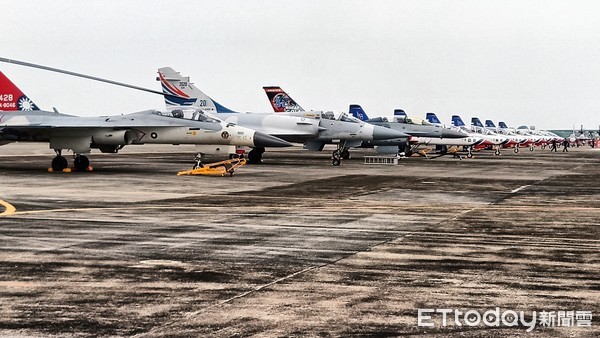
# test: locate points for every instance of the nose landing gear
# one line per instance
(340, 153)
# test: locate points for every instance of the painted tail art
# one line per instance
(280, 100)
(12, 98)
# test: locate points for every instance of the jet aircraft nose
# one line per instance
(449, 133)
(383, 133)
(265, 140)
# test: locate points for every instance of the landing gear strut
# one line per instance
(340, 153)
(470, 152)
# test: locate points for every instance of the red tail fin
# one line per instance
(12, 98)
(281, 101)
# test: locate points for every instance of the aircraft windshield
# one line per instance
(328, 115)
(339, 116)
(413, 120)
(202, 116)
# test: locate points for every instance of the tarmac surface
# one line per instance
(295, 246)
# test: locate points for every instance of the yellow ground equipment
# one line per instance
(222, 168)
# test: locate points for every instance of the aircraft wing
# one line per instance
(145, 119)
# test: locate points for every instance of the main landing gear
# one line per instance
(60, 163)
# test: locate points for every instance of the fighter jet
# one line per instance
(421, 132)
(514, 141)
(490, 140)
(282, 102)
(313, 128)
(21, 120)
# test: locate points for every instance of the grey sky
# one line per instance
(524, 62)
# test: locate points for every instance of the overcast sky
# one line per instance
(524, 62)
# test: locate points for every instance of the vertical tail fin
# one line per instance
(399, 115)
(457, 121)
(490, 124)
(12, 98)
(476, 122)
(357, 111)
(502, 125)
(280, 100)
(433, 119)
(179, 91)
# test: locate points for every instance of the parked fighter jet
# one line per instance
(490, 140)
(514, 141)
(22, 120)
(418, 135)
(313, 128)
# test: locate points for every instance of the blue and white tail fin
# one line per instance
(476, 122)
(12, 98)
(457, 121)
(357, 111)
(502, 125)
(280, 100)
(179, 91)
(433, 119)
(490, 124)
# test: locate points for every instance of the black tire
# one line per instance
(336, 162)
(345, 154)
(81, 163)
(516, 150)
(59, 163)
(497, 152)
(254, 157)
(531, 148)
(469, 155)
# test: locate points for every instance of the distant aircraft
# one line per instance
(313, 128)
(21, 120)
(515, 140)
(421, 133)
(490, 140)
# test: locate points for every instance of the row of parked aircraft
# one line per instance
(416, 132)
(192, 117)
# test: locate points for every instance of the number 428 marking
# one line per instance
(6, 97)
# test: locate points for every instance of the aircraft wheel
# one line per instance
(497, 152)
(345, 154)
(336, 162)
(81, 163)
(469, 155)
(516, 150)
(254, 157)
(531, 148)
(59, 163)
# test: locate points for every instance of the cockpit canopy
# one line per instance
(190, 114)
(412, 120)
(338, 116)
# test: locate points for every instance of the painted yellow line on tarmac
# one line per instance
(8, 208)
